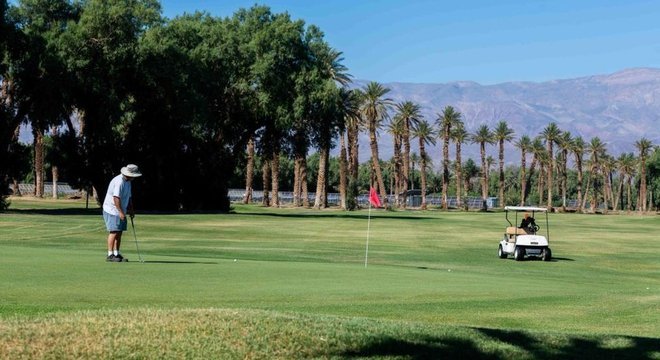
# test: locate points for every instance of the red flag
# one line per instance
(373, 198)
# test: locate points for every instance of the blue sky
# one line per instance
(474, 40)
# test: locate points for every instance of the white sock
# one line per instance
(109, 252)
(116, 252)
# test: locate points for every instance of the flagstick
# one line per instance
(366, 253)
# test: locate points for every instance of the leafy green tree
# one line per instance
(38, 72)
(8, 122)
(100, 51)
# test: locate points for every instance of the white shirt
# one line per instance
(120, 188)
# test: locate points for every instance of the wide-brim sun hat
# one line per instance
(131, 170)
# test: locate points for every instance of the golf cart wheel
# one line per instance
(547, 254)
(519, 253)
(501, 253)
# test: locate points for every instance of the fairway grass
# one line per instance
(292, 283)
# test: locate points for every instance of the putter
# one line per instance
(136, 242)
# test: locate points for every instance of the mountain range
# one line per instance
(619, 108)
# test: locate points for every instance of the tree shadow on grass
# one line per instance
(578, 347)
(423, 349)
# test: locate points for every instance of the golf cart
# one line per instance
(524, 240)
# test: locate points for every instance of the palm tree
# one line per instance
(374, 108)
(459, 135)
(578, 147)
(626, 167)
(445, 121)
(353, 126)
(524, 144)
(426, 135)
(410, 114)
(350, 103)
(608, 165)
(551, 134)
(502, 133)
(483, 136)
(632, 163)
(396, 129)
(539, 156)
(327, 72)
(643, 145)
(597, 150)
(565, 142)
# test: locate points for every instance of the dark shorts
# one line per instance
(113, 223)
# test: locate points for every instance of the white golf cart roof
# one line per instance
(524, 208)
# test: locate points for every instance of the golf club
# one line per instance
(136, 242)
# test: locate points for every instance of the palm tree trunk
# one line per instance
(484, 177)
(528, 181)
(501, 179)
(629, 191)
(321, 180)
(459, 174)
(564, 180)
(343, 179)
(583, 205)
(297, 188)
(376, 165)
(304, 192)
(422, 152)
(579, 183)
(523, 182)
(265, 171)
(445, 167)
(642, 185)
(249, 172)
(550, 173)
(405, 171)
(619, 193)
(55, 173)
(38, 162)
(275, 177)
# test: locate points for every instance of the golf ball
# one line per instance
(234, 260)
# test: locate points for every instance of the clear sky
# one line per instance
(479, 40)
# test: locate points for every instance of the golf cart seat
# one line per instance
(512, 230)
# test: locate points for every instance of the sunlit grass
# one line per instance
(433, 283)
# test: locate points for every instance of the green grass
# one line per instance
(291, 283)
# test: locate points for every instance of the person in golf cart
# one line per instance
(528, 224)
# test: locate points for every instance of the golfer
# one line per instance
(117, 202)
